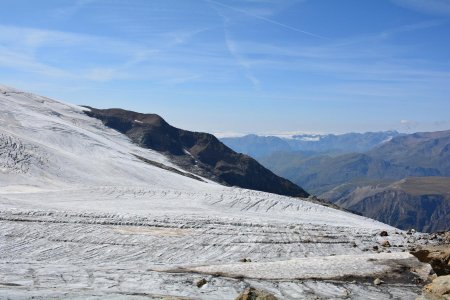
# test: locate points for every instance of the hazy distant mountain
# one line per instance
(419, 154)
(426, 153)
(199, 153)
(348, 142)
(257, 146)
(342, 177)
(260, 146)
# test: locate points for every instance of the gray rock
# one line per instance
(201, 282)
(378, 281)
(386, 244)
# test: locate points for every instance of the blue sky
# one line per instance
(247, 66)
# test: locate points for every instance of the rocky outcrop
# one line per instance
(439, 289)
(438, 256)
(199, 153)
(255, 294)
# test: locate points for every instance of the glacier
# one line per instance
(81, 216)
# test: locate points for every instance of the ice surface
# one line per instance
(81, 216)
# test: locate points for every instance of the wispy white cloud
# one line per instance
(370, 57)
(410, 27)
(14, 60)
(227, 134)
(362, 58)
(361, 66)
(175, 80)
(21, 49)
(233, 49)
(241, 61)
(409, 125)
(71, 9)
(378, 64)
(29, 39)
(265, 19)
(258, 8)
(379, 37)
(179, 37)
(104, 74)
(434, 7)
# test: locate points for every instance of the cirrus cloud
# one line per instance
(435, 7)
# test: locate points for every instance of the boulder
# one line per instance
(386, 244)
(378, 281)
(439, 289)
(438, 256)
(255, 294)
(201, 282)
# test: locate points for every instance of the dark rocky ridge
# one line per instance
(196, 152)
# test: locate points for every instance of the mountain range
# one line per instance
(261, 146)
(334, 176)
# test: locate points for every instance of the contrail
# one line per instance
(267, 19)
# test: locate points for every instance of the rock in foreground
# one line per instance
(255, 294)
